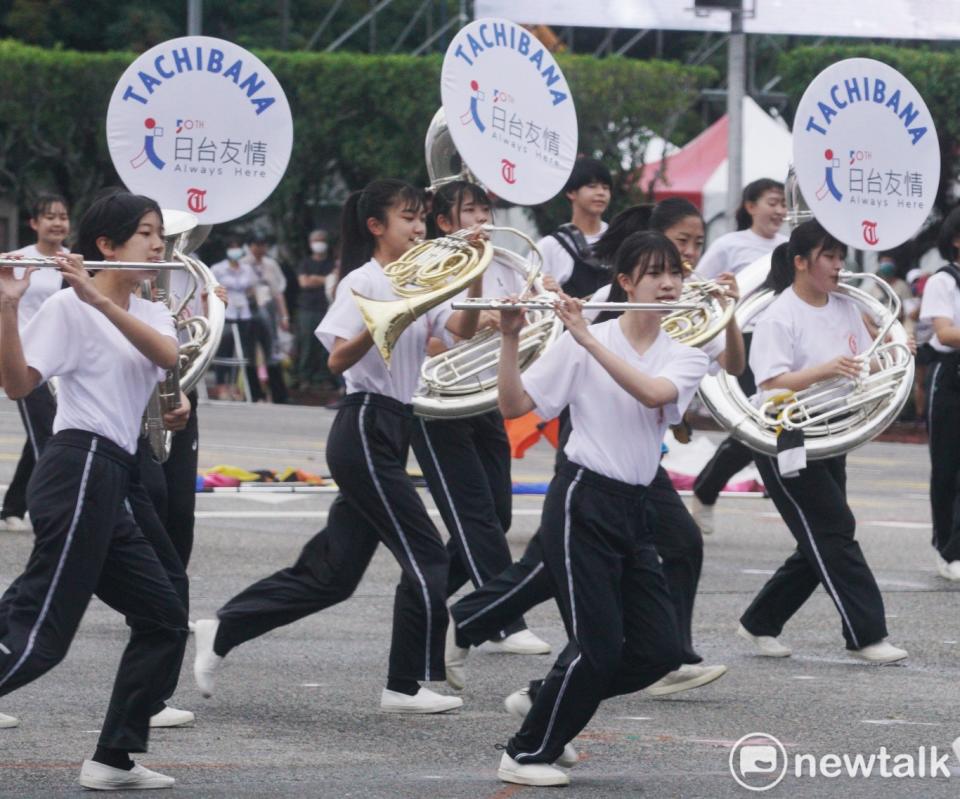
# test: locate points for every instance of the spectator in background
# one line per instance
(240, 280)
(312, 276)
(270, 314)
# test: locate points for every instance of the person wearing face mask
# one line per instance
(239, 279)
(312, 369)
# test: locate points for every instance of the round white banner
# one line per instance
(866, 154)
(509, 110)
(202, 125)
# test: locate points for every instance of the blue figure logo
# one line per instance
(828, 183)
(148, 153)
(474, 112)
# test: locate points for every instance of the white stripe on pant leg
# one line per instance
(29, 425)
(573, 617)
(933, 390)
(827, 582)
(31, 639)
(504, 598)
(453, 508)
(399, 530)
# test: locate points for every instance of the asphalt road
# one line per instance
(297, 710)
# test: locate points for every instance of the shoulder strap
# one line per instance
(953, 270)
(571, 238)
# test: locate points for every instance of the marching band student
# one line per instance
(677, 538)
(759, 219)
(941, 306)
(366, 453)
(108, 348)
(50, 219)
(625, 380)
(808, 334)
(567, 256)
(466, 462)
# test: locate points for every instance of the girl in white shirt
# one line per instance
(625, 381)
(50, 220)
(366, 453)
(108, 348)
(941, 306)
(810, 333)
(240, 280)
(759, 219)
(466, 461)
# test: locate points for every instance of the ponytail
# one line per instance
(781, 272)
(357, 243)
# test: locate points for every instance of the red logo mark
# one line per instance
(197, 200)
(508, 170)
(870, 232)
(852, 343)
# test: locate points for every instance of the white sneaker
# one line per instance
(881, 652)
(454, 660)
(766, 645)
(8, 721)
(686, 677)
(424, 701)
(949, 570)
(518, 704)
(206, 661)
(530, 774)
(171, 717)
(192, 627)
(702, 515)
(522, 642)
(107, 778)
(14, 524)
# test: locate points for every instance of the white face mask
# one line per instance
(318, 247)
(235, 253)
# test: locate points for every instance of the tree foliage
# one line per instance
(936, 76)
(356, 118)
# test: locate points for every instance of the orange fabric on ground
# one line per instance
(525, 431)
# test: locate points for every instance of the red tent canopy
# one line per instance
(686, 172)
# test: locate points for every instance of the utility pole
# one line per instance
(736, 81)
(194, 17)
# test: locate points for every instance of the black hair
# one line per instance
(115, 215)
(660, 217)
(949, 232)
(44, 202)
(357, 243)
(753, 192)
(647, 250)
(804, 240)
(586, 171)
(449, 199)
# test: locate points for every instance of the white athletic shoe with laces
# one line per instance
(688, 676)
(171, 717)
(522, 642)
(949, 570)
(14, 524)
(454, 660)
(765, 645)
(206, 661)
(99, 777)
(424, 701)
(7, 722)
(518, 704)
(880, 652)
(540, 774)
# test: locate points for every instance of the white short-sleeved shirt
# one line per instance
(941, 298)
(43, 283)
(237, 281)
(370, 373)
(613, 434)
(734, 251)
(104, 381)
(792, 334)
(556, 260)
(713, 348)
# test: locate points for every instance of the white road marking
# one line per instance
(890, 722)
